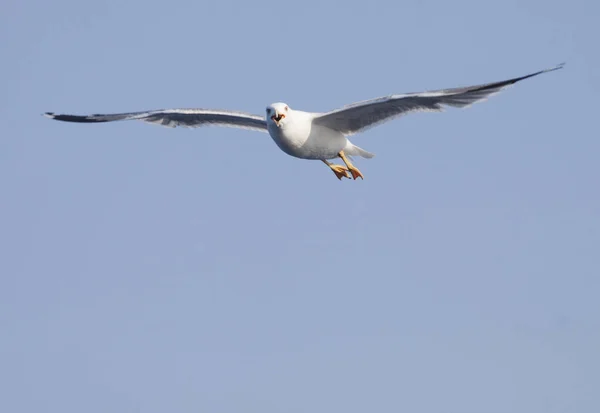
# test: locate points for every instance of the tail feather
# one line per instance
(354, 150)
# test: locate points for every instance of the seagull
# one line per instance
(311, 135)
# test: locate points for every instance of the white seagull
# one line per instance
(316, 136)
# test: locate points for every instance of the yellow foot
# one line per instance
(340, 171)
(355, 172)
(353, 169)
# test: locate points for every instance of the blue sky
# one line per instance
(147, 269)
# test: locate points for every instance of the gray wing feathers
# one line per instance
(191, 118)
(366, 114)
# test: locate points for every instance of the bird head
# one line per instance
(277, 113)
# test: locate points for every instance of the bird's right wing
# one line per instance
(191, 118)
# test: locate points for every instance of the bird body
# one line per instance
(311, 135)
(297, 135)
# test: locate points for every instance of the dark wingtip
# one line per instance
(72, 118)
(517, 79)
(558, 66)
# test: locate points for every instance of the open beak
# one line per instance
(277, 117)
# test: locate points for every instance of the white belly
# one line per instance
(302, 139)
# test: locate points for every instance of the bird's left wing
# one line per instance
(360, 116)
(191, 118)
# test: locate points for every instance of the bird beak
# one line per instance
(277, 117)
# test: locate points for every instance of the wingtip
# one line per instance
(50, 115)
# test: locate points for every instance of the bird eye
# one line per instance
(286, 108)
(268, 110)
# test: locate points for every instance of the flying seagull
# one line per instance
(316, 136)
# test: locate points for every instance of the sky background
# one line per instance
(148, 269)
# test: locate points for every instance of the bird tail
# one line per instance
(354, 150)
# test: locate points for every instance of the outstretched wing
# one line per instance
(191, 118)
(360, 116)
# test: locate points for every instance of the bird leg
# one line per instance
(339, 170)
(353, 169)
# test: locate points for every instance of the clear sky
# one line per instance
(148, 269)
